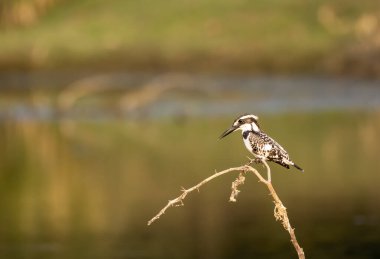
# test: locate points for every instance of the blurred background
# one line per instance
(107, 108)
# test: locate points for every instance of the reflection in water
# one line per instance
(89, 194)
(110, 96)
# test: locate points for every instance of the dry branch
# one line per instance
(280, 212)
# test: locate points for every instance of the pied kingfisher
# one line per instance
(258, 143)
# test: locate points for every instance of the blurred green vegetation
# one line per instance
(252, 36)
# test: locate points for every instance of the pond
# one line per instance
(82, 182)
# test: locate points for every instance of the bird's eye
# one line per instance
(240, 121)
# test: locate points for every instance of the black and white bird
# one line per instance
(258, 143)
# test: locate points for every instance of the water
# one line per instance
(129, 96)
(84, 186)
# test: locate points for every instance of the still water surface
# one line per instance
(85, 188)
(130, 96)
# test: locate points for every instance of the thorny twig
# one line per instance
(280, 212)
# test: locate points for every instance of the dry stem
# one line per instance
(235, 184)
(280, 212)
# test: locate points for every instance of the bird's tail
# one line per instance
(299, 168)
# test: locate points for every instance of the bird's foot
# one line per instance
(256, 160)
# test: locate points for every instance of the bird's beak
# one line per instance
(229, 131)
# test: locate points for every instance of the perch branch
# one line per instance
(179, 200)
(280, 212)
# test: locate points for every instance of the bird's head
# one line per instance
(247, 122)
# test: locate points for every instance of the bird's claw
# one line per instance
(255, 160)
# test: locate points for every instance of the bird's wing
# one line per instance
(275, 143)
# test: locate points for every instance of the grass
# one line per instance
(228, 35)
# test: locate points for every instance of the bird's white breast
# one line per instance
(248, 144)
